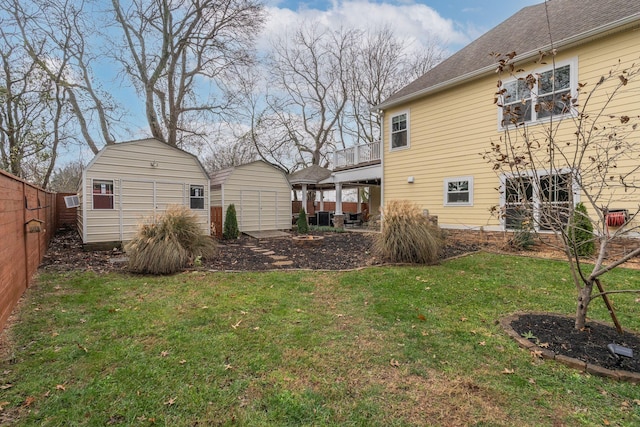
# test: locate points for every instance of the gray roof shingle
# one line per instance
(526, 32)
(310, 175)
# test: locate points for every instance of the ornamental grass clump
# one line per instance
(168, 243)
(407, 235)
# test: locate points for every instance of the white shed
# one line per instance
(130, 181)
(260, 192)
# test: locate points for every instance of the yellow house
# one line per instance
(435, 129)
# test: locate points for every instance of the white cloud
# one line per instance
(409, 21)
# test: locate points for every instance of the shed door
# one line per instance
(144, 199)
(258, 210)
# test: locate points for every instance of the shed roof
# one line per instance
(218, 178)
(139, 141)
(526, 33)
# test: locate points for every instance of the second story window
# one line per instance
(399, 131)
(541, 94)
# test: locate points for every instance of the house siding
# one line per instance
(449, 130)
(140, 190)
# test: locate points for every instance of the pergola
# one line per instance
(319, 179)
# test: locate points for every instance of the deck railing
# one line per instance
(356, 155)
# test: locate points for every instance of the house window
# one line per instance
(196, 196)
(458, 191)
(543, 93)
(399, 131)
(102, 194)
(540, 201)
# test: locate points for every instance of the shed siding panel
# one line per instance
(135, 179)
(261, 195)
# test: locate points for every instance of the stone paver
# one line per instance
(282, 263)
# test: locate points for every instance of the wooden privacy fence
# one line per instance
(313, 207)
(216, 221)
(65, 217)
(27, 223)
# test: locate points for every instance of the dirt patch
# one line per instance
(557, 334)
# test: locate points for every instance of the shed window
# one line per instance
(196, 196)
(102, 194)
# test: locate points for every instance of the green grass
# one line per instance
(380, 347)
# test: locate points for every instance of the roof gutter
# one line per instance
(615, 26)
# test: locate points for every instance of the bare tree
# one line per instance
(180, 53)
(384, 64)
(591, 154)
(256, 125)
(33, 116)
(311, 69)
(66, 179)
(54, 36)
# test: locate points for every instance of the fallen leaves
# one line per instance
(508, 371)
(164, 353)
(61, 387)
(171, 401)
(2, 405)
(237, 324)
(394, 363)
(6, 386)
(29, 401)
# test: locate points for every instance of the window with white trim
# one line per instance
(400, 131)
(102, 194)
(538, 200)
(458, 191)
(196, 196)
(539, 95)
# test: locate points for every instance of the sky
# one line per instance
(454, 22)
(458, 22)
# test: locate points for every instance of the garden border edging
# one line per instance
(619, 375)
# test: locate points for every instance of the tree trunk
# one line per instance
(584, 298)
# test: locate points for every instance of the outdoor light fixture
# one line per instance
(410, 180)
(154, 164)
(618, 350)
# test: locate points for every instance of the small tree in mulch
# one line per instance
(168, 243)
(586, 147)
(303, 226)
(231, 231)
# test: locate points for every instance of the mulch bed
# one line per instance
(557, 333)
(337, 251)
